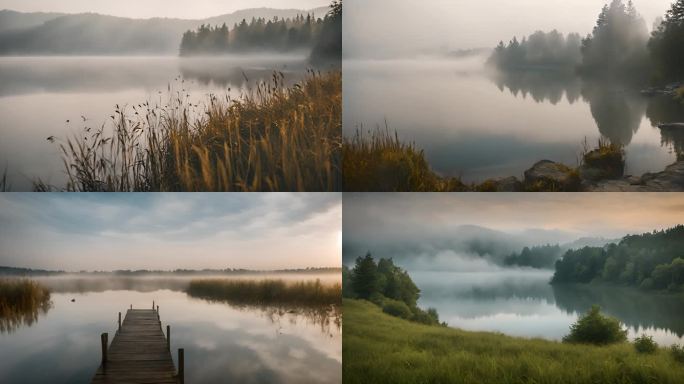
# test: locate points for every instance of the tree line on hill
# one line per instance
(618, 47)
(649, 261)
(321, 36)
(388, 286)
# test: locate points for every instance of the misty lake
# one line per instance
(478, 125)
(520, 302)
(39, 94)
(223, 343)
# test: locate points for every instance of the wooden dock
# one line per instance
(140, 352)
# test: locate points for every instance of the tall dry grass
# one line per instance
(267, 292)
(272, 138)
(378, 161)
(21, 301)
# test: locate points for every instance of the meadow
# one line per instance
(272, 138)
(379, 348)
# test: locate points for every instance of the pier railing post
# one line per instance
(168, 337)
(181, 365)
(119, 321)
(157, 312)
(131, 306)
(103, 340)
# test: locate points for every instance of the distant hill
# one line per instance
(95, 34)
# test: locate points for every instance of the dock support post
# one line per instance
(103, 340)
(131, 306)
(158, 318)
(168, 337)
(119, 321)
(181, 366)
(153, 305)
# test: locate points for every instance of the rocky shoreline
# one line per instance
(547, 175)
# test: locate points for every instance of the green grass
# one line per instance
(21, 301)
(273, 138)
(267, 292)
(378, 348)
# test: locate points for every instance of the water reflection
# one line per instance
(13, 319)
(223, 343)
(50, 96)
(523, 303)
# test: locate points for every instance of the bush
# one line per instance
(397, 308)
(645, 344)
(429, 317)
(677, 352)
(595, 328)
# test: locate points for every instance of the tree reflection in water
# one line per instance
(21, 303)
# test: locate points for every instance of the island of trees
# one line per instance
(618, 47)
(650, 261)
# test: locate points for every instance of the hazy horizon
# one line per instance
(440, 230)
(175, 9)
(442, 25)
(259, 231)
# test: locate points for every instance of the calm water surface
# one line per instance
(223, 344)
(479, 125)
(522, 303)
(39, 94)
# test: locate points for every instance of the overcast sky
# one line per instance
(169, 231)
(400, 218)
(195, 9)
(380, 28)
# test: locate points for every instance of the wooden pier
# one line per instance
(140, 352)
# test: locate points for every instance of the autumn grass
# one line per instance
(379, 162)
(268, 292)
(21, 301)
(378, 348)
(272, 138)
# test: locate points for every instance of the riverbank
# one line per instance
(380, 348)
(380, 162)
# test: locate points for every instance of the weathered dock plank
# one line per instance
(139, 352)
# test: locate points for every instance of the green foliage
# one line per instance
(677, 352)
(666, 45)
(650, 260)
(272, 138)
(645, 344)
(389, 287)
(617, 45)
(397, 308)
(378, 348)
(257, 35)
(267, 292)
(538, 51)
(595, 328)
(21, 301)
(347, 288)
(544, 256)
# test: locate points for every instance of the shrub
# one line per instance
(429, 317)
(677, 352)
(645, 344)
(397, 308)
(595, 328)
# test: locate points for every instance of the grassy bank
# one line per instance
(273, 138)
(378, 348)
(21, 301)
(267, 292)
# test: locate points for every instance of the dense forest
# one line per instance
(619, 47)
(259, 34)
(539, 50)
(544, 256)
(322, 37)
(650, 261)
(387, 286)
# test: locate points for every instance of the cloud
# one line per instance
(167, 231)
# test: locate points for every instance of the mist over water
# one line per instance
(261, 344)
(480, 125)
(39, 94)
